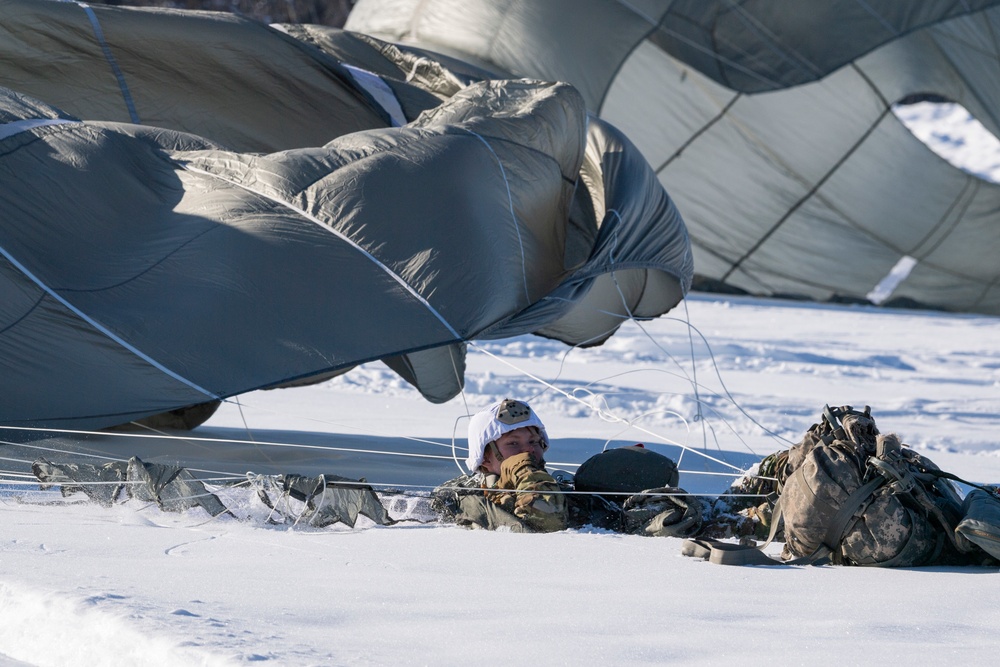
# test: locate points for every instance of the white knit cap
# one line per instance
(490, 423)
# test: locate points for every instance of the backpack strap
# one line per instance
(726, 553)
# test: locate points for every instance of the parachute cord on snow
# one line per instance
(631, 317)
(454, 428)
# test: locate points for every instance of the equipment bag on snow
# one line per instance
(626, 470)
(853, 496)
(981, 521)
(860, 498)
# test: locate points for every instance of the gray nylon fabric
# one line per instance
(227, 244)
(239, 82)
(770, 124)
(981, 521)
(173, 489)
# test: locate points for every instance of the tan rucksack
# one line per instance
(852, 496)
(858, 497)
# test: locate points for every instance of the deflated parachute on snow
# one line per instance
(144, 269)
(771, 124)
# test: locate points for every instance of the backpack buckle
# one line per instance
(900, 480)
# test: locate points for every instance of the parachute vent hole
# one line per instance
(948, 129)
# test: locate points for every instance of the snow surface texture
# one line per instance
(86, 585)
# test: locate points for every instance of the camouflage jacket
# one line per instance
(482, 501)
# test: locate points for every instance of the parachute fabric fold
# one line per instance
(771, 125)
(172, 488)
(145, 269)
(150, 284)
(325, 499)
(243, 84)
(318, 501)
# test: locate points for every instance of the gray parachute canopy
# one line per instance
(771, 124)
(196, 205)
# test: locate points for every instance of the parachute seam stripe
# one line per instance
(628, 53)
(104, 330)
(975, 181)
(110, 57)
(646, 17)
(510, 202)
(789, 56)
(881, 19)
(714, 55)
(15, 127)
(569, 180)
(763, 284)
(329, 228)
(28, 312)
(705, 128)
(808, 195)
(963, 202)
(152, 266)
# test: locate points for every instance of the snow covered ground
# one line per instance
(85, 585)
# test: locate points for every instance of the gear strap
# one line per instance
(726, 553)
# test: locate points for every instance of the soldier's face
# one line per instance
(524, 439)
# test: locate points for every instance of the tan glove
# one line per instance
(538, 502)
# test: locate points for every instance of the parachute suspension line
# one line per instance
(325, 422)
(565, 356)
(454, 446)
(225, 475)
(110, 57)
(260, 443)
(701, 403)
(104, 330)
(465, 402)
(604, 415)
(167, 436)
(726, 392)
(329, 229)
(243, 417)
(699, 417)
(513, 215)
(694, 378)
(631, 317)
(246, 427)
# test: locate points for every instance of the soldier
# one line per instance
(507, 444)
(509, 487)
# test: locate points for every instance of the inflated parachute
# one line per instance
(149, 262)
(771, 125)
